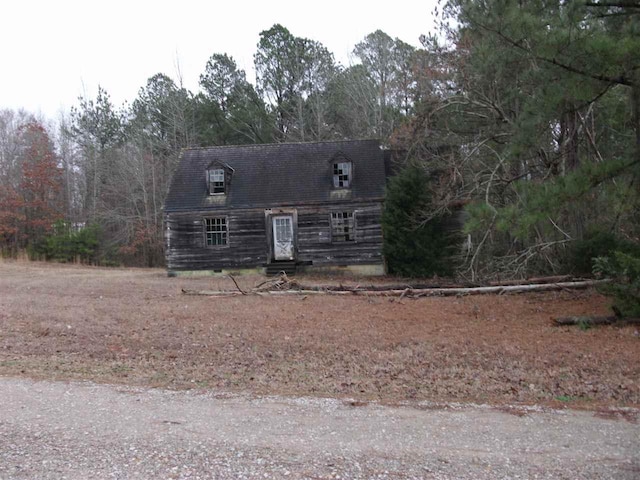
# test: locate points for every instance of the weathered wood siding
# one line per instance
(186, 247)
(249, 242)
(314, 236)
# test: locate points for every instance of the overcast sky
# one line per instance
(53, 51)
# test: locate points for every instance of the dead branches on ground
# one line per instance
(283, 285)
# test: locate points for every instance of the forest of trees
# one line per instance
(524, 114)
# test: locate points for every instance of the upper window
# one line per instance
(216, 231)
(343, 227)
(342, 174)
(216, 181)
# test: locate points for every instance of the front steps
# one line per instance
(288, 267)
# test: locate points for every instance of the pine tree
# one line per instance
(415, 248)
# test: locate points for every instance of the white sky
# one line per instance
(53, 51)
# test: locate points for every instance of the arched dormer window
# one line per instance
(342, 169)
(218, 178)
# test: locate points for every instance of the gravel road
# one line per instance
(60, 430)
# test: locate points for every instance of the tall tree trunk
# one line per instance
(569, 140)
(635, 105)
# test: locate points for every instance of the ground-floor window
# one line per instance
(216, 231)
(343, 228)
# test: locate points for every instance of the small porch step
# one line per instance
(288, 267)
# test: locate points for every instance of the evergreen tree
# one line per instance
(229, 111)
(535, 103)
(413, 247)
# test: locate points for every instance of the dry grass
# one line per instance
(134, 326)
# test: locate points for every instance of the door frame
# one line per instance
(280, 212)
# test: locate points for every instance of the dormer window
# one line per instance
(218, 178)
(216, 181)
(342, 174)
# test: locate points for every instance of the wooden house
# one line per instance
(277, 207)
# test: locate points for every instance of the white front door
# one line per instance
(282, 237)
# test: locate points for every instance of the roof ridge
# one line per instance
(274, 144)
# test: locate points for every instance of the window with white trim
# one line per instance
(342, 174)
(216, 232)
(343, 227)
(216, 181)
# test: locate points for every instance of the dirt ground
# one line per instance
(134, 326)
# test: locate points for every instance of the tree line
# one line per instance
(532, 127)
(521, 118)
(110, 166)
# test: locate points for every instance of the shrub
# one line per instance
(624, 271)
(66, 244)
(596, 243)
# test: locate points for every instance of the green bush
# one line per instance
(66, 244)
(596, 243)
(413, 248)
(624, 271)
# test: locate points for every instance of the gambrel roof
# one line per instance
(278, 174)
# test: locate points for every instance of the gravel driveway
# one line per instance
(54, 430)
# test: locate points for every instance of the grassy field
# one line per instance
(134, 326)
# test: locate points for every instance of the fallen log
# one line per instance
(413, 292)
(373, 288)
(382, 287)
(284, 283)
(500, 289)
(585, 320)
(590, 320)
(534, 280)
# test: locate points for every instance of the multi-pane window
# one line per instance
(342, 174)
(216, 230)
(216, 181)
(284, 232)
(343, 227)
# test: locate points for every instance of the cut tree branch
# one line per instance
(593, 320)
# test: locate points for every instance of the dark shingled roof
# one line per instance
(277, 174)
